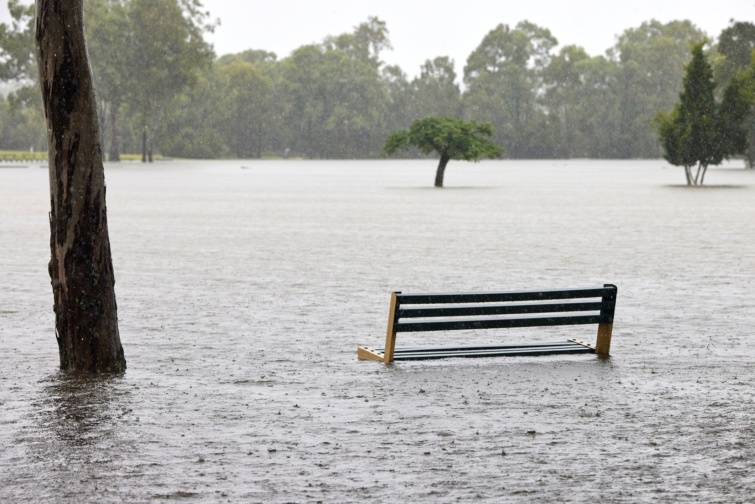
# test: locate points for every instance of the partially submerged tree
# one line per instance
(449, 137)
(698, 131)
(81, 268)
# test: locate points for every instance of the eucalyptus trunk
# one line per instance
(81, 268)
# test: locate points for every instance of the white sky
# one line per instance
(424, 29)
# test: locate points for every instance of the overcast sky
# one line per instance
(424, 29)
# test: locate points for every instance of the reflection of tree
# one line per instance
(74, 441)
(80, 411)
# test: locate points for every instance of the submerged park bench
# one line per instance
(488, 310)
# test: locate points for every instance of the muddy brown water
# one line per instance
(245, 287)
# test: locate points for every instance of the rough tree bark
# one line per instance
(81, 268)
(444, 158)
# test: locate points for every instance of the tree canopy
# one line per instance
(449, 137)
(17, 44)
(337, 98)
(735, 50)
(698, 131)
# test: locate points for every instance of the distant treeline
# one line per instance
(161, 87)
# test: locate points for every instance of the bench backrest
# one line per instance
(445, 312)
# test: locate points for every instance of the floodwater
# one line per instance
(244, 288)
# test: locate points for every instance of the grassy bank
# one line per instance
(19, 156)
(6, 155)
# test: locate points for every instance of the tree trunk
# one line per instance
(750, 152)
(144, 146)
(115, 152)
(441, 170)
(688, 174)
(702, 177)
(697, 174)
(81, 268)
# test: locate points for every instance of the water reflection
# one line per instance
(81, 410)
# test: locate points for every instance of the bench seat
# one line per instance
(570, 346)
(464, 311)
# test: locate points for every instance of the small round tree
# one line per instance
(449, 137)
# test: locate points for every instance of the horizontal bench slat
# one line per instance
(454, 324)
(491, 297)
(534, 350)
(506, 346)
(498, 309)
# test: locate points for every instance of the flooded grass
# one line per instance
(243, 294)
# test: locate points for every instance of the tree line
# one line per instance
(161, 88)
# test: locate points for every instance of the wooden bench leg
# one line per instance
(603, 344)
(390, 336)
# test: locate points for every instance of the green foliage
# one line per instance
(699, 131)
(334, 103)
(22, 122)
(17, 44)
(199, 125)
(364, 44)
(650, 60)
(167, 54)
(736, 46)
(108, 33)
(503, 77)
(337, 99)
(253, 56)
(564, 80)
(250, 93)
(446, 136)
(733, 112)
(400, 98)
(435, 91)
